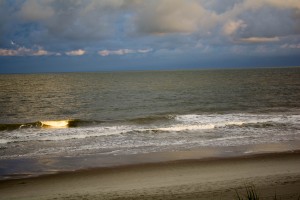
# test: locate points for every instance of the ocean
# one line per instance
(70, 121)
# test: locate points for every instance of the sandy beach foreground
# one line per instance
(190, 179)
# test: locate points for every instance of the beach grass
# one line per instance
(252, 194)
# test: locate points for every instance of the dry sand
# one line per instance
(190, 179)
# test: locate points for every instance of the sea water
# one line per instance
(70, 115)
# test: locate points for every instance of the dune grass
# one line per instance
(251, 194)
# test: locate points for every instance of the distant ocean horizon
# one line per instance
(58, 116)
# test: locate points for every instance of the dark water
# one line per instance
(130, 95)
(75, 114)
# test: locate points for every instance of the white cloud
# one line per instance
(259, 39)
(78, 52)
(40, 52)
(104, 53)
(22, 51)
(144, 50)
(122, 51)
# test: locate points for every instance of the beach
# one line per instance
(271, 174)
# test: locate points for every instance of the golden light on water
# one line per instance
(55, 124)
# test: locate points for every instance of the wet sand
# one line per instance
(186, 179)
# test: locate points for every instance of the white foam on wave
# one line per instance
(81, 133)
(195, 122)
(27, 135)
(4, 141)
(235, 119)
(177, 128)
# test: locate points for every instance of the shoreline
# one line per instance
(34, 167)
(210, 178)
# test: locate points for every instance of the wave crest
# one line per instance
(55, 124)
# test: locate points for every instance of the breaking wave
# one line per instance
(66, 123)
(79, 129)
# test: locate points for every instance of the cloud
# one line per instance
(294, 4)
(144, 50)
(231, 27)
(290, 46)
(78, 52)
(93, 20)
(263, 18)
(259, 39)
(122, 51)
(251, 5)
(18, 50)
(69, 20)
(115, 52)
(35, 10)
(169, 16)
(172, 29)
(22, 51)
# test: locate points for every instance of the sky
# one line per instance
(112, 35)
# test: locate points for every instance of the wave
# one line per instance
(152, 119)
(66, 123)
(9, 127)
(142, 135)
(189, 121)
(55, 124)
(57, 130)
(38, 124)
(166, 122)
(242, 120)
